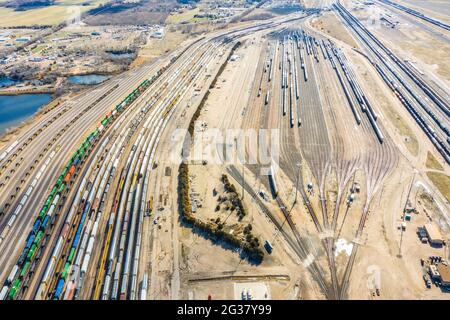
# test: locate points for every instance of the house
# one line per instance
(434, 235)
(444, 274)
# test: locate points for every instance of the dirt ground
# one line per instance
(210, 269)
(329, 24)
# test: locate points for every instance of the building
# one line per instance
(434, 235)
(434, 273)
(444, 273)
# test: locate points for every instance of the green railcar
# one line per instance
(38, 237)
(61, 188)
(63, 173)
(49, 199)
(32, 252)
(71, 254)
(43, 210)
(12, 293)
(52, 194)
(60, 179)
(25, 269)
(65, 270)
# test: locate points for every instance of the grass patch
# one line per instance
(432, 162)
(182, 17)
(51, 15)
(442, 182)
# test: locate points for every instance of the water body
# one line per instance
(88, 79)
(118, 56)
(15, 109)
(6, 82)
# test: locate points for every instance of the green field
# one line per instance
(442, 182)
(50, 15)
(181, 17)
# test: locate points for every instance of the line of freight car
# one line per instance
(322, 50)
(12, 219)
(144, 173)
(125, 203)
(8, 150)
(100, 188)
(121, 278)
(365, 106)
(431, 94)
(25, 198)
(80, 153)
(52, 222)
(418, 14)
(121, 275)
(347, 93)
(73, 245)
(45, 125)
(116, 273)
(291, 109)
(105, 264)
(314, 48)
(87, 245)
(295, 73)
(131, 96)
(273, 182)
(103, 189)
(424, 107)
(78, 205)
(439, 144)
(414, 95)
(94, 201)
(348, 72)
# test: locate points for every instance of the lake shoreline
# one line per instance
(7, 133)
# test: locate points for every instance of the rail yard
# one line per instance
(119, 192)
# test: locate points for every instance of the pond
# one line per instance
(15, 109)
(88, 79)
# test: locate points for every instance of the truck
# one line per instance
(268, 246)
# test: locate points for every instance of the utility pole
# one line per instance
(403, 216)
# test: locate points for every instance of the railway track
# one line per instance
(430, 113)
(87, 178)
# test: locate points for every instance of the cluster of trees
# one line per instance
(20, 5)
(197, 114)
(214, 231)
(234, 197)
